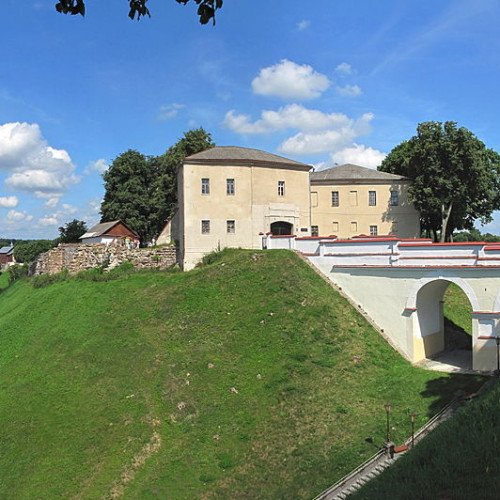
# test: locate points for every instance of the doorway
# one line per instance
(281, 228)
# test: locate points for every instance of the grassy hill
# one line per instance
(459, 460)
(250, 377)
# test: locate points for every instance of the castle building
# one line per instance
(229, 196)
(349, 200)
(232, 196)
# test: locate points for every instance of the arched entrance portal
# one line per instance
(445, 337)
(281, 228)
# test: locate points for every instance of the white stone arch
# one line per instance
(411, 302)
(496, 305)
(425, 321)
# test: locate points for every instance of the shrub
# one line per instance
(16, 272)
(49, 279)
(124, 269)
(99, 274)
(94, 274)
(28, 251)
(211, 258)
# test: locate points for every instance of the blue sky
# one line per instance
(333, 82)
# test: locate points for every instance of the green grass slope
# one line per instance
(459, 460)
(457, 308)
(248, 378)
(4, 280)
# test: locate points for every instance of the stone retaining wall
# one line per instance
(78, 257)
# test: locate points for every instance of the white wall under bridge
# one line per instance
(403, 296)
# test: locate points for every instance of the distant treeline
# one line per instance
(28, 250)
(475, 235)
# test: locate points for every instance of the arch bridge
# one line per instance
(401, 283)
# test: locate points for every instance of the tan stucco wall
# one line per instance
(253, 207)
(401, 220)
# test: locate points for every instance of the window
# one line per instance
(231, 226)
(394, 199)
(205, 227)
(335, 198)
(354, 227)
(205, 186)
(353, 198)
(314, 230)
(335, 227)
(314, 198)
(281, 188)
(373, 230)
(230, 187)
(372, 198)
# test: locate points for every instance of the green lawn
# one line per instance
(249, 378)
(457, 308)
(4, 280)
(459, 460)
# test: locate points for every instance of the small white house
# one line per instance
(110, 232)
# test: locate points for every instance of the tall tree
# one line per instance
(206, 8)
(72, 231)
(128, 188)
(167, 165)
(455, 178)
(142, 190)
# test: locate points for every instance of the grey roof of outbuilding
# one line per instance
(102, 228)
(222, 155)
(350, 172)
(7, 250)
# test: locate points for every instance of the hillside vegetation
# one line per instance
(248, 378)
(459, 460)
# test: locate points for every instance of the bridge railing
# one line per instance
(390, 251)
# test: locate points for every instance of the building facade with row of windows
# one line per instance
(349, 200)
(231, 196)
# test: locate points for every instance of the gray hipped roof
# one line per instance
(235, 155)
(7, 250)
(349, 172)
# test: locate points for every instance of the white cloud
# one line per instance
(292, 116)
(344, 69)
(349, 90)
(13, 216)
(359, 154)
(289, 80)
(100, 166)
(52, 202)
(303, 25)
(48, 221)
(169, 111)
(41, 182)
(319, 142)
(34, 166)
(329, 139)
(8, 201)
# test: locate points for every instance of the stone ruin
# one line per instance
(76, 257)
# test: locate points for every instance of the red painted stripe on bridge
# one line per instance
(454, 244)
(368, 266)
(407, 257)
(359, 254)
